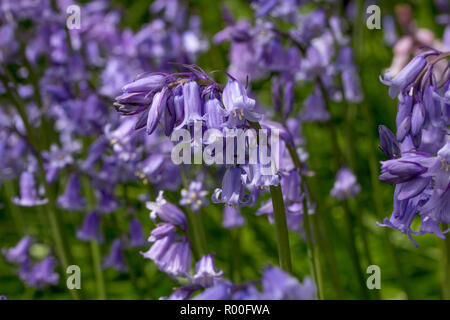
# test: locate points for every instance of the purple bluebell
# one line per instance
(20, 253)
(156, 110)
(214, 114)
(116, 258)
(349, 75)
(28, 192)
(279, 285)
(42, 273)
(233, 191)
(194, 196)
(166, 211)
(72, 199)
(314, 109)
(192, 103)
(405, 77)
(206, 274)
(345, 185)
(238, 105)
(107, 202)
(90, 231)
(388, 142)
(172, 257)
(221, 291)
(402, 216)
(406, 168)
(232, 218)
(95, 152)
(137, 238)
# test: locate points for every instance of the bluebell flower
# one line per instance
(28, 192)
(402, 216)
(220, 291)
(107, 202)
(116, 259)
(137, 238)
(166, 211)
(388, 143)
(42, 273)
(72, 199)
(345, 185)
(238, 105)
(279, 285)
(194, 196)
(20, 253)
(233, 191)
(206, 274)
(90, 231)
(172, 257)
(405, 77)
(232, 218)
(314, 109)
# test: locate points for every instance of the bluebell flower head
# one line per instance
(116, 257)
(194, 196)
(405, 77)
(167, 212)
(232, 218)
(90, 231)
(388, 143)
(28, 192)
(137, 238)
(42, 274)
(345, 185)
(72, 199)
(279, 285)
(206, 274)
(20, 253)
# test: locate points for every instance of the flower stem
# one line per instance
(95, 247)
(99, 279)
(354, 250)
(311, 251)
(446, 267)
(281, 228)
(196, 231)
(321, 236)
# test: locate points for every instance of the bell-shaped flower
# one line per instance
(28, 192)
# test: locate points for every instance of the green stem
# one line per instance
(99, 278)
(281, 228)
(354, 251)
(94, 246)
(446, 267)
(312, 256)
(236, 255)
(16, 214)
(196, 232)
(321, 237)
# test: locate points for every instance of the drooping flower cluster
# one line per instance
(170, 251)
(37, 274)
(419, 152)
